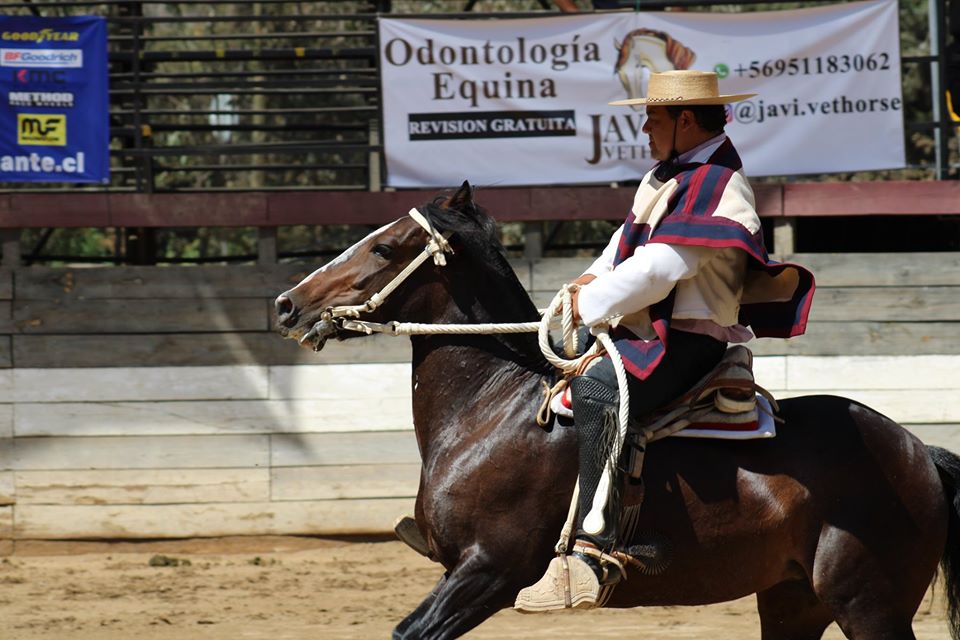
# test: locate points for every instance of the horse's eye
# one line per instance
(383, 250)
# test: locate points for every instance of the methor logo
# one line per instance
(42, 58)
(60, 99)
(42, 129)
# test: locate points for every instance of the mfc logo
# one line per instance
(42, 129)
(39, 76)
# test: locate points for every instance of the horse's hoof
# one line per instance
(409, 533)
(569, 583)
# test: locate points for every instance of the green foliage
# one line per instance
(203, 244)
(323, 241)
(89, 243)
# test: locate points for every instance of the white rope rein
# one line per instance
(562, 304)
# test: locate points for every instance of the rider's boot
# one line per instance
(574, 581)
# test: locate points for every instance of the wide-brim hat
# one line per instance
(685, 87)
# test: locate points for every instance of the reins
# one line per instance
(347, 318)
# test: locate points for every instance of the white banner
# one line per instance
(524, 101)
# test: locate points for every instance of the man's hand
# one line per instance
(585, 279)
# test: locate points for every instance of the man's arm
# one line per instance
(646, 277)
(603, 264)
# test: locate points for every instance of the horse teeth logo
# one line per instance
(646, 51)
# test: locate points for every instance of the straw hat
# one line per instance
(684, 87)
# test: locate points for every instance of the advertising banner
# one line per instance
(54, 109)
(524, 101)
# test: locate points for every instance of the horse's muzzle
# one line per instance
(287, 311)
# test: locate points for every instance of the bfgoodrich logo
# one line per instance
(42, 129)
(42, 58)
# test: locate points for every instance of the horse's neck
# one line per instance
(461, 389)
(462, 295)
(467, 384)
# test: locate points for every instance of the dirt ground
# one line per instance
(295, 588)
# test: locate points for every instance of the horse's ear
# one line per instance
(462, 200)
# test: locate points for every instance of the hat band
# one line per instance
(674, 99)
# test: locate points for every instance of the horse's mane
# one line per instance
(502, 294)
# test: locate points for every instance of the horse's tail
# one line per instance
(948, 464)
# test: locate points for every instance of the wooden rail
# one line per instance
(784, 203)
(272, 209)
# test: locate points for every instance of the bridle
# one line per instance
(437, 248)
(346, 318)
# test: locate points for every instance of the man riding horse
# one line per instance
(684, 275)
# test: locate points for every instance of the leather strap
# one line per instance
(592, 551)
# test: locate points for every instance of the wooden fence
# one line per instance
(153, 402)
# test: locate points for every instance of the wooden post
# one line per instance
(266, 246)
(10, 241)
(785, 236)
(532, 240)
(375, 182)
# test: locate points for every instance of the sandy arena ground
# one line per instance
(295, 588)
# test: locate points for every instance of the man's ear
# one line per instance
(686, 119)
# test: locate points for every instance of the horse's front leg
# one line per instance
(417, 613)
(469, 594)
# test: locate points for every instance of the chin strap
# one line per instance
(668, 168)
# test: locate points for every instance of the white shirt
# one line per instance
(655, 269)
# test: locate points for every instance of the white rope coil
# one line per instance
(593, 523)
(563, 303)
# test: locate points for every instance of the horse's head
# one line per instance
(359, 284)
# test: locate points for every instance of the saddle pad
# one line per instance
(763, 428)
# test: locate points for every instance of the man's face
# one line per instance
(660, 127)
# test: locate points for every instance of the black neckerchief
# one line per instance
(667, 169)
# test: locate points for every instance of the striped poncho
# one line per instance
(710, 205)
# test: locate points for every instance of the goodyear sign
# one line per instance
(54, 109)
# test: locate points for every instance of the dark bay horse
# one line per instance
(844, 516)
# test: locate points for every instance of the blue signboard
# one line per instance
(54, 109)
